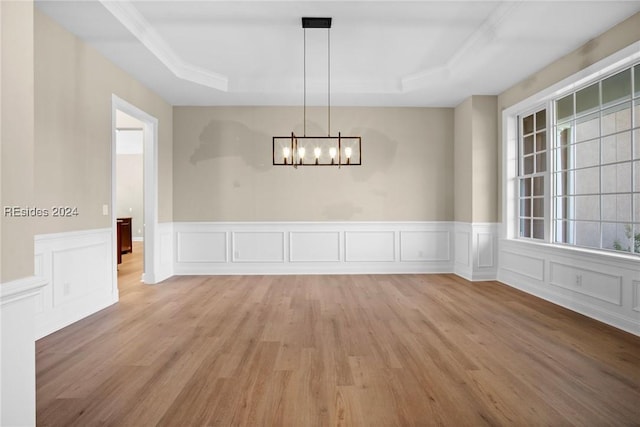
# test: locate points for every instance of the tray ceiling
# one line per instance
(383, 53)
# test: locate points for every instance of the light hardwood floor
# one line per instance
(369, 350)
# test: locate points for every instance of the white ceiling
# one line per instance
(383, 53)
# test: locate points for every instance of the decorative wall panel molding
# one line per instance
(164, 252)
(601, 286)
(604, 287)
(370, 246)
(476, 252)
(195, 246)
(521, 264)
(77, 267)
(429, 246)
(258, 246)
(316, 247)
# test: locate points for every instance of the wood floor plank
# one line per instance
(355, 350)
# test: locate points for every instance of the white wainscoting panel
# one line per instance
(195, 246)
(17, 351)
(77, 267)
(604, 287)
(164, 251)
(320, 248)
(258, 246)
(425, 245)
(636, 296)
(314, 246)
(463, 246)
(476, 251)
(486, 250)
(370, 246)
(599, 285)
(522, 264)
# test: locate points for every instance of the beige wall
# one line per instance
(223, 171)
(485, 169)
(463, 137)
(129, 194)
(17, 136)
(476, 142)
(613, 40)
(73, 88)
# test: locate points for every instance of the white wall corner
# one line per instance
(18, 302)
(476, 250)
(164, 252)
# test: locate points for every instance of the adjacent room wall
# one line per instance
(129, 179)
(223, 166)
(73, 89)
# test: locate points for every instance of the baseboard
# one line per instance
(78, 269)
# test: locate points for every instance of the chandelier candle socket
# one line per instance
(291, 150)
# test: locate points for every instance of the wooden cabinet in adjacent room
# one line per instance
(124, 235)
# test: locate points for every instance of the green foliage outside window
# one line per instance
(628, 231)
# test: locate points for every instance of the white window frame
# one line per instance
(546, 175)
(509, 229)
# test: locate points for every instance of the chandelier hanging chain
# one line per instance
(304, 74)
(328, 81)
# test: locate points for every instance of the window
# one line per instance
(593, 166)
(531, 174)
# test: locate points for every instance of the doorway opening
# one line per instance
(129, 189)
(134, 189)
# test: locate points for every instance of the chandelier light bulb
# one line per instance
(317, 151)
(347, 152)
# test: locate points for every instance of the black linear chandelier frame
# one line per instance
(327, 150)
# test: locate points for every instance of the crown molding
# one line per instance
(484, 35)
(127, 14)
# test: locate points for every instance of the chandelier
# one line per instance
(296, 150)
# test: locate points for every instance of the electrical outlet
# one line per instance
(420, 254)
(578, 279)
(105, 210)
